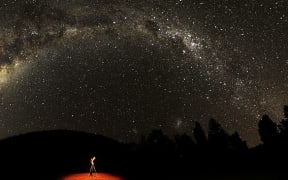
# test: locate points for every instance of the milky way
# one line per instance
(123, 68)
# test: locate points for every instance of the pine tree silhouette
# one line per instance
(284, 122)
(267, 130)
(217, 136)
(236, 143)
(199, 134)
(185, 145)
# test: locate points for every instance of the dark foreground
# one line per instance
(56, 154)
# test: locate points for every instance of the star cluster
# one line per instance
(123, 68)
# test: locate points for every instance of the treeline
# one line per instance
(216, 154)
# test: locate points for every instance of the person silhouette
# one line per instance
(92, 168)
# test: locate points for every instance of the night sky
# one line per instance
(123, 68)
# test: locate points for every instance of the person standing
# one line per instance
(92, 168)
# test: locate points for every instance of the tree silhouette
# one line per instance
(267, 130)
(284, 123)
(157, 137)
(283, 127)
(185, 145)
(199, 134)
(236, 143)
(217, 137)
(285, 109)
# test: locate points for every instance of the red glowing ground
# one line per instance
(96, 176)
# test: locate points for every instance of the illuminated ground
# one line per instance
(96, 176)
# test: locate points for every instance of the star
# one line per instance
(124, 68)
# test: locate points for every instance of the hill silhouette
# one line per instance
(49, 154)
(212, 155)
